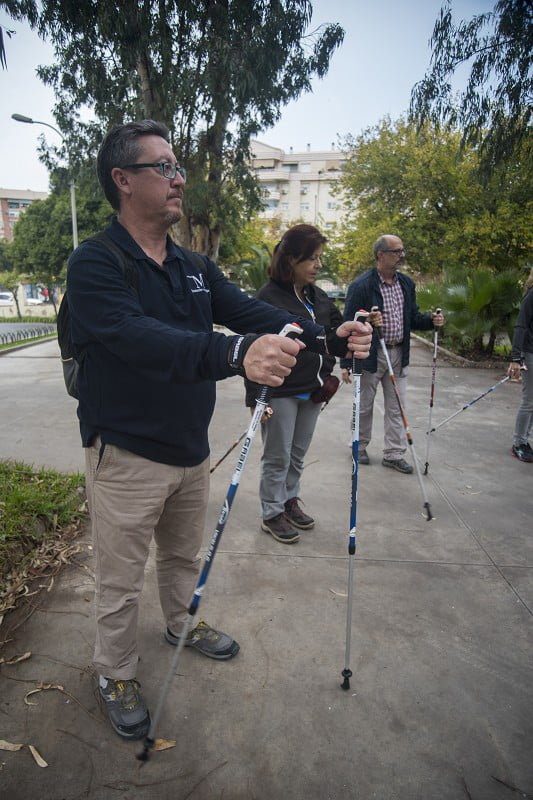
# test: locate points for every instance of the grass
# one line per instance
(23, 342)
(34, 505)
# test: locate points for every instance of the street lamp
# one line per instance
(22, 118)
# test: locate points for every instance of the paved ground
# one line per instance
(440, 705)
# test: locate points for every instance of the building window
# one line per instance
(13, 204)
(270, 204)
(305, 166)
(304, 206)
(290, 167)
(332, 205)
(285, 206)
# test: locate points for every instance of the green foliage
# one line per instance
(252, 273)
(34, 504)
(42, 239)
(239, 242)
(478, 306)
(420, 185)
(5, 261)
(215, 72)
(494, 110)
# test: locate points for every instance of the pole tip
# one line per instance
(346, 674)
(144, 755)
(428, 511)
(426, 468)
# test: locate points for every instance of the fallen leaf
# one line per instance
(164, 744)
(9, 746)
(16, 659)
(37, 756)
(338, 594)
(42, 688)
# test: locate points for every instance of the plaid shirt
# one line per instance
(392, 310)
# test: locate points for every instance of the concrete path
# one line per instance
(441, 700)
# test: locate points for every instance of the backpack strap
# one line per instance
(127, 262)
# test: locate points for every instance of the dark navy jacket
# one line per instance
(149, 357)
(311, 368)
(364, 293)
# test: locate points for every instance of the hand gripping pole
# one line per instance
(292, 330)
(357, 368)
(427, 507)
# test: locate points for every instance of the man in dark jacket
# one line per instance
(394, 294)
(149, 359)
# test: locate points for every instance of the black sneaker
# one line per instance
(126, 708)
(296, 516)
(522, 452)
(398, 463)
(280, 528)
(208, 641)
(363, 457)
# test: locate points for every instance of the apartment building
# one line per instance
(298, 186)
(13, 203)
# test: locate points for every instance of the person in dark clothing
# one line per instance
(394, 293)
(148, 361)
(521, 366)
(287, 434)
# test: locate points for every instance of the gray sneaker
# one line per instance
(281, 529)
(398, 463)
(126, 708)
(363, 457)
(208, 641)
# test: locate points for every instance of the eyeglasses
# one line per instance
(166, 168)
(396, 252)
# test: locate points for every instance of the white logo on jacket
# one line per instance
(198, 283)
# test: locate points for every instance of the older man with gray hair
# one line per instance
(394, 293)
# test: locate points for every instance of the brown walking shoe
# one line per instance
(280, 528)
(296, 516)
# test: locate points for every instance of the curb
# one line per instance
(16, 347)
(459, 360)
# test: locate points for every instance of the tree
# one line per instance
(42, 239)
(216, 72)
(423, 187)
(494, 110)
(10, 281)
(17, 9)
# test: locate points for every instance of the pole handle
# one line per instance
(379, 329)
(357, 363)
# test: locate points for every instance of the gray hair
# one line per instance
(382, 244)
(121, 146)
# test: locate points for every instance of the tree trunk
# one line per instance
(150, 97)
(491, 342)
(206, 240)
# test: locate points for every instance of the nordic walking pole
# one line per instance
(471, 403)
(427, 507)
(357, 368)
(292, 330)
(432, 392)
(268, 413)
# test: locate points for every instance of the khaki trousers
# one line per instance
(131, 500)
(395, 442)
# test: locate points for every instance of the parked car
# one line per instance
(34, 301)
(6, 299)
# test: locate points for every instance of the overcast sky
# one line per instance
(385, 51)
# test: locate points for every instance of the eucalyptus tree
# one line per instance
(215, 72)
(494, 110)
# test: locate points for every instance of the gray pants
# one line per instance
(395, 442)
(131, 501)
(286, 439)
(524, 418)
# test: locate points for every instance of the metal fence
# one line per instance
(11, 337)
